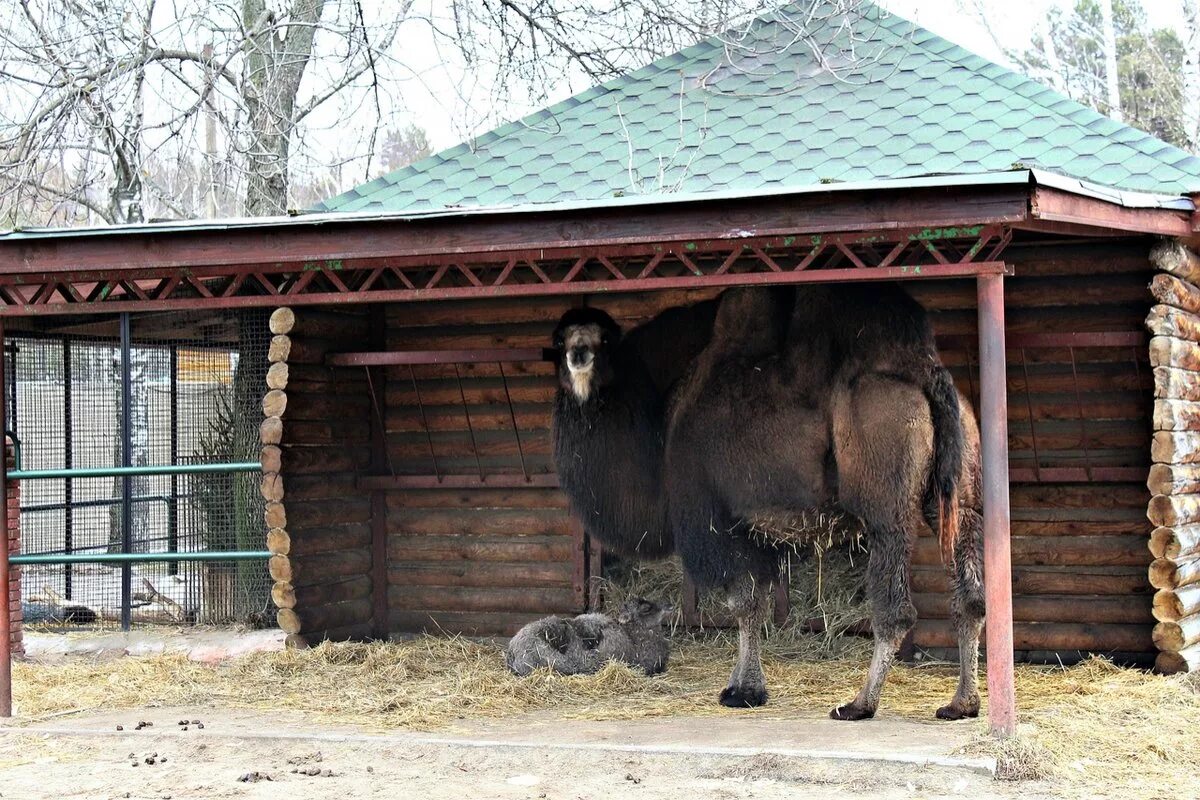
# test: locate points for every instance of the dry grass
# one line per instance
(1094, 726)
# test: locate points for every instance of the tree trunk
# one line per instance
(1191, 73)
(275, 65)
(1111, 74)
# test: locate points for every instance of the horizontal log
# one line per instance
(1175, 543)
(455, 418)
(1166, 320)
(323, 379)
(1175, 447)
(349, 431)
(270, 431)
(1088, 637)
(454, 623)
(1168, 479)
(285, 595)
(1113, 581)
(1053, 608)
(313, 619)
(516, 498)
(277, 375)
(327, 408)
(275, 515)
(489, 522)
(474, 550)
(1171, 605)
(1187, 660)
(271, 487)
(288, 620)
(1172, 291)
(1178, 634)
(355, 632)
(299, 459)
(1173, 510)
(1118, 527)
(325, 540)
(531, 600)
(306, 515)
(1167, 351)
(271, 458)
(1171, 255)
(278, 542)
(1167, 573)
(1176, 415)
(311, 349)
(320, 568)
(463, 573)
(282, 320)
(1057, 551)
(279, 349)
(327, 323)
(330, 486)
(1079, 496)
(1176, 384)
(274, 403)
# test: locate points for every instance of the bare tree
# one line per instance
(1191, 73)
(97, 90)
(1112, 88)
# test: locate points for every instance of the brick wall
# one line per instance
(14, 547)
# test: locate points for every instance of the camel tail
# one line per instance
(941, 495)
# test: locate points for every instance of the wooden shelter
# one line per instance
(406, 445)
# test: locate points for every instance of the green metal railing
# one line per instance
(138, 558)
(119, 472)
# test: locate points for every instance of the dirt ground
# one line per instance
(539, 756)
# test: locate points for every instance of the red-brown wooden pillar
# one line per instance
(997, 556)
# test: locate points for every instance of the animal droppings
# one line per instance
(120, 727)
(200, 726)
(254, 777)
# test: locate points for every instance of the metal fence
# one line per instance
(140, 391)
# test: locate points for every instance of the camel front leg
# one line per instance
(747, 687)
(892, 615)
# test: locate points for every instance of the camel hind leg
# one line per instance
(967, 610)
(882, 439)
(892, 614)
(747, 688)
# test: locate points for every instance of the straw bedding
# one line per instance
(1093, 726)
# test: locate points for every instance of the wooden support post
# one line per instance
(380, 624)
(997, 557)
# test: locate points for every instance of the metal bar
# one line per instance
(68, 462)
(470, 427)
(146, 498)
(997, 555)
(5, 570)
(127, 462)
(127, 471)
(127, 559)
(394, 358)
(424, 422)
(173, 505)
(536, 481)
(512, 414)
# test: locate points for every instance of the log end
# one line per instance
(282, 320)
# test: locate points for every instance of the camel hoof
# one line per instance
(956, 710)
(850, 713)
(743, 696)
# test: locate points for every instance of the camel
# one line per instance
(827, 404)
(799, 401)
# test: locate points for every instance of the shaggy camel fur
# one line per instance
(825, 399)
(584, 644)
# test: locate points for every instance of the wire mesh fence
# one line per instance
(185, 390)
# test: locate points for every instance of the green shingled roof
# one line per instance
(764, 115)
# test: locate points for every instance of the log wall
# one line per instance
(1174, 478)
(315, 441)
(485, 560)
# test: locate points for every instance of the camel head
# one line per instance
(643, 612)
(585, 340)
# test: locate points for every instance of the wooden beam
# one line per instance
(1049, 205)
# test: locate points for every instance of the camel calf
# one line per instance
(584, 644)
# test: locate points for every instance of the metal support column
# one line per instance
(126, 461)
(68, 463)
(997, 557)
(5, 583)
(173, 506)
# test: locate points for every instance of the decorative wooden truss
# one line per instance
(878, 255)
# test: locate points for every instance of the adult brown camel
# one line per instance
(827, 403)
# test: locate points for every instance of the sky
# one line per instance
(440, 97)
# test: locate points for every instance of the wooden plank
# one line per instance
(451, 623)
(461, 574)
(534, 600)
(1054, 608)
(1124, 581)
(1083, 551)
(491, 522)
(1053, 636)
(478, 550)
